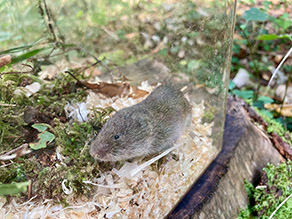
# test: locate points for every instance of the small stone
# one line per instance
(156, 38)
(167, 7)
(278, 58)
(148, 44)
(157, 26)
(190, 42)
(145, 35)
(242, 78)
(181, 54)
(184, 39)
(165, 39)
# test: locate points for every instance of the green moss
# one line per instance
(209, 115)
(276, 127)
(276, 186)
(72, 139)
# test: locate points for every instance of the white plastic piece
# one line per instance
(67, 190)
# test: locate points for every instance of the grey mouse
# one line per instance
(146, 128)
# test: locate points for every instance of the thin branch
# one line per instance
(280, 65)
(280, 206)
(49, 23)
(15, 153)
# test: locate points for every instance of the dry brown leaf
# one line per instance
(109, 89)
(4, 60)
(137, 93)
(116, 89)
(282, 110)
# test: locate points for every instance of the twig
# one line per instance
(49, 23)
(16, 72)
(17, 152)
(280, 65)
(29, 190)
(110, 33)
(73, 76)
(6, 104)
(5, 165)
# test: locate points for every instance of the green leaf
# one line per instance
(13, 188)
(193, 64)
(283, 21)
(163, 52)
(267, 113)
(16, 49)
(274, 37)
(231, 85)
(21, 48)
(41, 127)
(254, 14)
(265, 99)
(245, 94)
(44, 139)
(26, 56)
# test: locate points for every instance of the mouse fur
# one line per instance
(146, 128)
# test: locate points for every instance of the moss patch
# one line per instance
(18, 113)
(274, 188)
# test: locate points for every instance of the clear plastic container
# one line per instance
(146, 43)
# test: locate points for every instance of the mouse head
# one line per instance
(122, 137)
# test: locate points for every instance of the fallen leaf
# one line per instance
(109, 89)
(137, 93)
(44, 139)
(4, 60)
(17, 152)
(41, 127)
(283, 110)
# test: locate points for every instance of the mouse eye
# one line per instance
(116, 137)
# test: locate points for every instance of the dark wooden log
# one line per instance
(219, 192)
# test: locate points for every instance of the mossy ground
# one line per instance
(275, 186)
(71, 139)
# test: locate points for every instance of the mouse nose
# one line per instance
(98, 153)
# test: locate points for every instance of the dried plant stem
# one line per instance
(280, 65)
(280, 206)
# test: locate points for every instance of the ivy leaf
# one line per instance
(41, 127)
(254, 14)
(13, 188)
(44, 139)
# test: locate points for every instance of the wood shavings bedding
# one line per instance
(130, 192)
